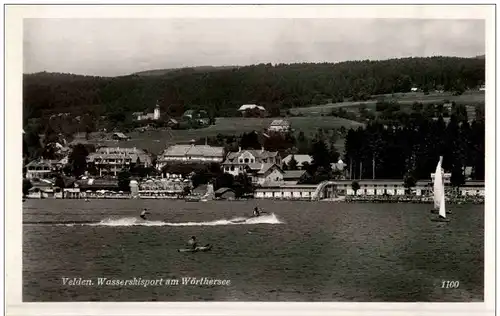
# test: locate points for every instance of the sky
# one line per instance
(113, 47)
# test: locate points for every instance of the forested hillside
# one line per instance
(222, 90)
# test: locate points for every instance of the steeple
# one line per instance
(156, 114)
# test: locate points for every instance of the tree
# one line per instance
(60, 183)
(250, 141)
(223, 180)
(292, 164)
(124, 181)
(409, 182)
(27, 185)
(221, 90)
(417, 107)
(320, 155)
(302, 143)
(355, 187)
(242, 185)
(78, 159)
(457, 176)
(31, 144)
(49, 151)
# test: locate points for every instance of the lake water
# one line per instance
(300, 251)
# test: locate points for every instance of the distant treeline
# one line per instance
(222, 90)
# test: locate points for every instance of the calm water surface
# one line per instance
(303, 251)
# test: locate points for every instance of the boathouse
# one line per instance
(288, 192)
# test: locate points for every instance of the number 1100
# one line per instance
(450, 284)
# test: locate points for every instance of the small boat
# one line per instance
(439, 194)
(207, 247)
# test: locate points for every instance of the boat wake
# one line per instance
(132, 221)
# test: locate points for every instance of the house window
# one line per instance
(241, 160)
(246, 160)
(252, 160)
(232, 168)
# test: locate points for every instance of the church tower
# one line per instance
(156, 114)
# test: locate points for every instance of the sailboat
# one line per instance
(439, 194)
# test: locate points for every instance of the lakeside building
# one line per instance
(239, 162)
(279, 126)
(225, 194)
(375, 187)
(111, 160)
(265, 174)
(381, 187)
(472, 188)
(252, 110)
(289, 192)
(175, 186)
(446, 177)
(162, 188)
(141, 116)
(190, 153)
(92, 185)
(43, 168)
(291, 177)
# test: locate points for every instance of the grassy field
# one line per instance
(468, 98)
(157, 141)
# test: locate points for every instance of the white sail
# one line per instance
(442, 209)
(438, 185)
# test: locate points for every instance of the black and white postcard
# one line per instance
(218, 159)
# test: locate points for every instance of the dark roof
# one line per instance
(293, 174)
(260, 154)
(121, 135)
(269, 166)
(223, 190)
(475, 183)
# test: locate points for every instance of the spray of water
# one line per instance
(132, 221)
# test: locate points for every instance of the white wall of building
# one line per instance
(278, 128)
(234, 170)
(274, 177)
(156, 114)
(467, 191)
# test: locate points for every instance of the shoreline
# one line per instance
(347, 199)
(414, 200)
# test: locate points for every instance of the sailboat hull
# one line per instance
(437, 212)
(445, 220)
